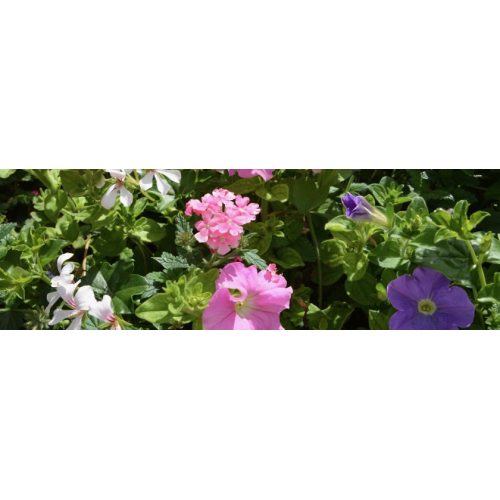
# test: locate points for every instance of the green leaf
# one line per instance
(378, 320)
(148, 230)
(54, 203)
(156, 309)
(341, 224)
(136, 285)
(332, 318)
(460, 214)
(109, 279)
(450, 257)
(76, 182)
(182, 224)
(307, 195)
(490, 293)
(380, 193)
(279, 192)
(252, 258)
(6, 172)
(445, 234)
(6, 230)
(169, 261)
(355, 266)
(111, 242)
(69, 230)
(305, 249)
(50, 251)
(288, 258)
(419, 206)
(442, 218)
(493, 256)
(363, 291)
(476, 219)
(245, 186)
(333, 252)
(11, 320)
(388, 255)
(49, 176)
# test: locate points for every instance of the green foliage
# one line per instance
(147, 259)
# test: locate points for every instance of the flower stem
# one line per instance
(318, 255)
(85, 255)
(264, 210)
(45, 278)
(147, 196)
(475, 260)
(141, 249)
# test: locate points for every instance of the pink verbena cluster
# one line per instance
(223, 216)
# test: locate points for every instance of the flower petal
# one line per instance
(52, 298)
(163, 185)
(455, 305)
(401, 294)
(220, 313)
(430, 283)
(61, 315)
(62, 259)
(147, 181)
(414, 320)
(103, 310)
(76, 324)
(126, 196)
(173, 175)
(85, 298)
(109, 199)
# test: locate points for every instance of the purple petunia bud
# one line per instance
(359, 210)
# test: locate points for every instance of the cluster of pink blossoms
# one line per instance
(223, 216)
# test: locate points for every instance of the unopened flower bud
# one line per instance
(359, 210)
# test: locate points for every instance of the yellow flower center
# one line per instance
(427, 307)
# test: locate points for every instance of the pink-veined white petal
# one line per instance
(76, 324)
(84, 298)
(61, 315)
(109, 198)
(67, 293)
(126, 197)
(103, 310)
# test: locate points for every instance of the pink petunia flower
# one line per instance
(246, 299)
(245, 173)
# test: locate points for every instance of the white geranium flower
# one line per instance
(104, 311)
(163, 186)
(65, 278)
(65, 273)
(126, 196)
(80, 303)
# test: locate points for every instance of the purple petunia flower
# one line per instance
(425, 301)
(359, 210)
